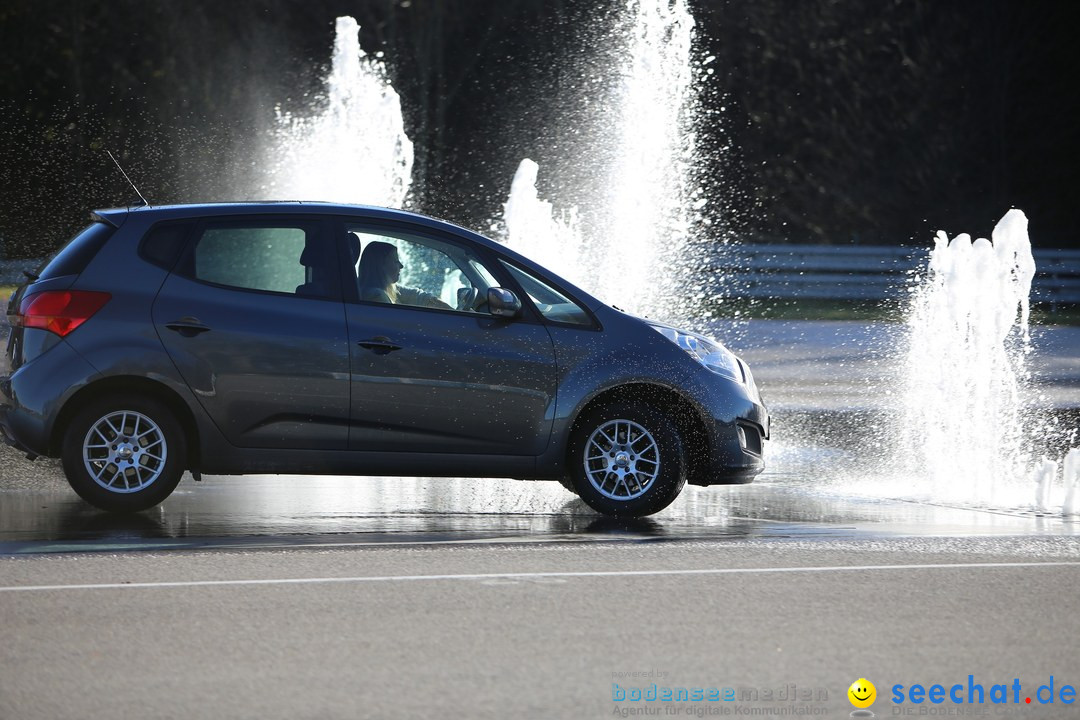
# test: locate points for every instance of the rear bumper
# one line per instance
(8, 436)
(13, 426)
(32, 396)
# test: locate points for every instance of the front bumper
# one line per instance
(736, 448)
(736, 425)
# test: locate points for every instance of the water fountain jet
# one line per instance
(642, 222)
(534, 229)
(353, 149)
(965, 370)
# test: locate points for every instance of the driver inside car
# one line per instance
(380, 270)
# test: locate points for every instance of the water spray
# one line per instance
(353, 148)
(642, 224)
(966, 421)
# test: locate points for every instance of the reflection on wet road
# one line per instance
(284, 511)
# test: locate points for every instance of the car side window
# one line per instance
(164, 242)
(73, 258)
(282, 257)
(551, 303)
(398, 268)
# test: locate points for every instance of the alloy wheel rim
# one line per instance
(125, 451)
(622, 460)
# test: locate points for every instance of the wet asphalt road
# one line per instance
(339, 597)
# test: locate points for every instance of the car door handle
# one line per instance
(381, 345)
(187, 326)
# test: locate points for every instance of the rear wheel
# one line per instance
(627, 459)
(124, 454)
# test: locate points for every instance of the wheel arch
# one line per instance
(128, 385)
(687, 416)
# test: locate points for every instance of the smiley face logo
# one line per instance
(862, 693)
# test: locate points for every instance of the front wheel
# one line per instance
(627, 459)
(124, 454)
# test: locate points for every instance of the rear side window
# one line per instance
(163, 243)
(283, 258)
(73, 258)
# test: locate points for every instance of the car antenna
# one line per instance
(145, 203)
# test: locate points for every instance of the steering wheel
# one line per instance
(466, 298)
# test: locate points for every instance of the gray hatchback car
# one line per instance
(335, 339)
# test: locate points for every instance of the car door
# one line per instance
(252, 317)
(429, 377)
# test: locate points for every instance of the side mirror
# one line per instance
(503, 303)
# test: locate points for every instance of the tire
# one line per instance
(627, 475)
(124, 453)
(568, 483)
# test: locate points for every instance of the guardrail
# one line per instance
(864, 272)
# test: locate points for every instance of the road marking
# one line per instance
(533, 575)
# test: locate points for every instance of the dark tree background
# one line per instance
(833, 121)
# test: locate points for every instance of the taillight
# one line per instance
(59, 311)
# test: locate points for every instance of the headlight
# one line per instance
(711, 354)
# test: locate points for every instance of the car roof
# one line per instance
(177, 211)
(116, 216)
